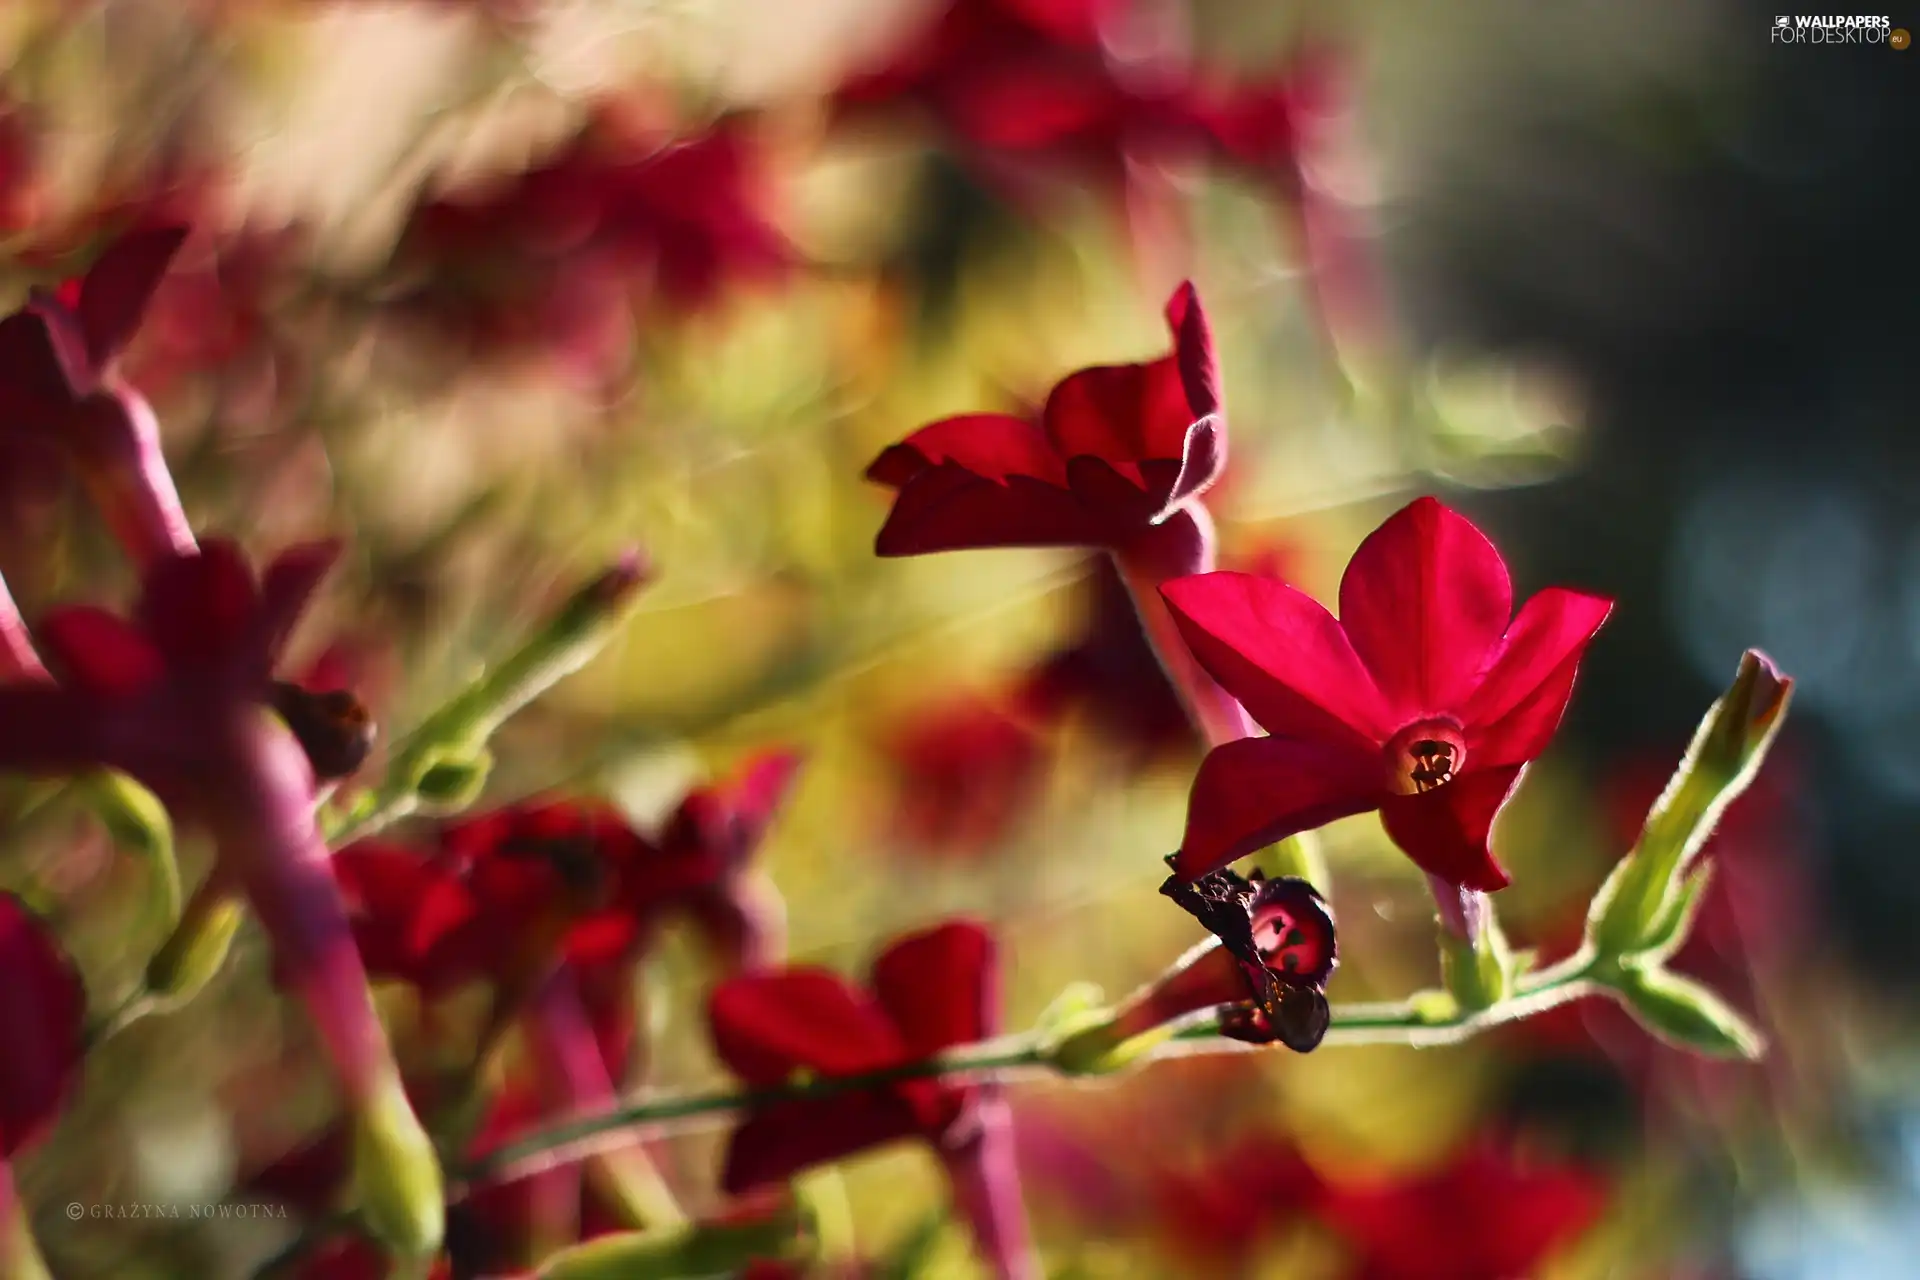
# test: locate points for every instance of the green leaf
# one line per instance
(1643, 893)
(1682, 1012)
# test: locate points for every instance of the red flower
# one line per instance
(1484, 1216)
(1277, 938)
(1118, 449)
(44, 1007)
(177, 698)
(57, 383)
(1026, 88)
(965, 774)
(1424, 701)
(555, 259)
(929, 992)
(509, 894)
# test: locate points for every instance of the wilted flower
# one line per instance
(1424, 701)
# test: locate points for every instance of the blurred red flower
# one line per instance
(1424, 700)
(1487, 1214)
(555, 260)
(44, 1007)
(1118, 449)
(929, 991)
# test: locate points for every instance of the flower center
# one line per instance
(1426, 755)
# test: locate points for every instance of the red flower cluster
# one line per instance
(506, 896)
(555, 260)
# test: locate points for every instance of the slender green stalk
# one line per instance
(1425, 1020)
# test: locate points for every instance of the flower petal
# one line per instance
(1282, 655)
(940, 987)
(1424, 600)
(1514, 712)
(1445, 831)
(200, 609)
(117, 288)
(773, 1144)
(1121, 413)
(1253, 792)
(993, 446)
(286, 586)
(99, 651)
(766, 1025)
(43, 1006)
(952, 509)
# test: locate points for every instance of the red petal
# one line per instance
(950, 509)
(941, 987)
(994, 446)
(1253, 792)
(766, 1025)
(1193, 351)
(200, 609)
(1121, 413)
(45, 729)
(774, 1144)
(1518, 705)
(36, 378)
(1445, 830)
(1282, 655)
(99, 651)
(43, 1006)
(286, 586)
(118, 287)
(1424, 600)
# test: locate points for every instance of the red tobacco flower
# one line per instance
(1024, 89)
(44, 1005)
(57, 382)
(1279, 936)
(1118, 449)
(929, 991)
(1486, 1215)
(1424, 700)
(555, 260)
(965, 773)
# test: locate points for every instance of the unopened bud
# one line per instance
(396, 1175)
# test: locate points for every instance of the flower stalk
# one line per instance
(1426, 1019)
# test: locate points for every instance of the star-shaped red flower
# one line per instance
(929, 991)
(1424, 700)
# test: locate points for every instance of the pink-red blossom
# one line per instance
(1424, 700)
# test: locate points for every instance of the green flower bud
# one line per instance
(672, 1253)
(452, 780)
(396, 1175)
(1643, 894)
(189, 959)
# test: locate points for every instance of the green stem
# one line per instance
(1430, 1019)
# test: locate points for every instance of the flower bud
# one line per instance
(1685, 1013)
(396, 1175)
(189, 959)
(1644, 891)
(698, 1250)
(449, 781)
(1475, 961)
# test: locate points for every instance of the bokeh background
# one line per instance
(1625, 281)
